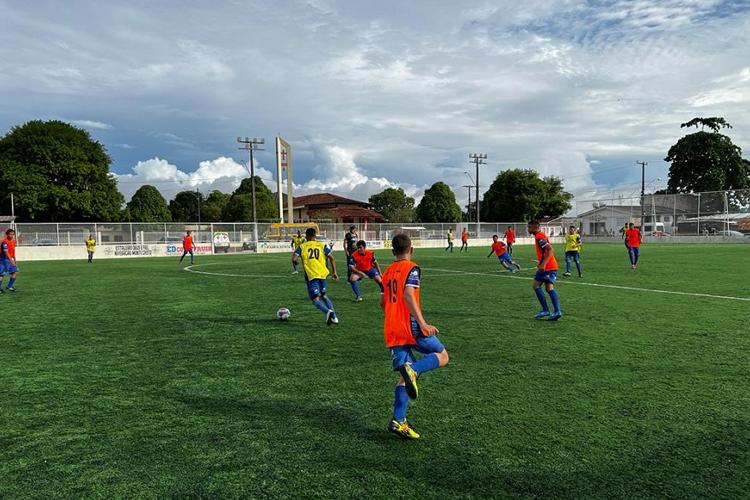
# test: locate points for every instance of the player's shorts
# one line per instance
(372, 273)
(573, 255)
(546, 277)
(635, 250)
(401, 354)
(316, 288)
(7, 267)
(504, 258)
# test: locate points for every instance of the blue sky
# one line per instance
(374, 94)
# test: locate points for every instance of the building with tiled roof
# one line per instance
(334, 208)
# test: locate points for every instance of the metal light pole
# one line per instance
(468, 208)
(643, 190)
(477, 159)
(252, 145)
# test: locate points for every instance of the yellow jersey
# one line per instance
(90, 244)
(573, 242)
(297, 241)
(450, 235)
(313, 255)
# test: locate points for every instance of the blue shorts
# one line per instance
(7, 267)
(572, 255)
(402, 354)
(316, 288)
(505, 258)
(546, 277)
(372, 273)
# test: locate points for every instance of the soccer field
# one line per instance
(136, 378)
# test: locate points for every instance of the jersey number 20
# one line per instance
(313, 253)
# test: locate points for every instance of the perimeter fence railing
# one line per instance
(716, 213)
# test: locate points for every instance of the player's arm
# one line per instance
(416, 312)
(492, 250)
(330, 258)
(545, 257)
(353, 267)
(376, 265)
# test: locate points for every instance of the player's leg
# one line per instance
(331, 318)
(568, 258)
(295, 265)
(401, 356)
(314, 292)
(435, 354)
(578, 264)
(510, 248)
(636, 256)
(537, 285)
(354, 282)
(375, 276)
(12, 280)
(191, 257)
(550, 286)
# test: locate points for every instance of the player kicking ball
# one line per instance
(314, 254)
(499, 249)
(363, 264)
(407, 331)
(546, 274)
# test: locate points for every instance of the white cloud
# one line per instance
(92, 124)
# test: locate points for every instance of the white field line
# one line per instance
(598, 285)
(191, 269)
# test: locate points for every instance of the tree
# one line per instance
(521, 195)
(706, 161)
(56, 172)
(213, 207)
(438, 205)
(239, 207)
(148, 205)
(394, 205)
(186, 205)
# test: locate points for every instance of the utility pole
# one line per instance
(468, 207)
(252, 145)
(643, 191)
(477, 159)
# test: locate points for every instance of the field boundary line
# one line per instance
(597, 285)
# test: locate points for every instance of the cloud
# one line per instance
(92, 124)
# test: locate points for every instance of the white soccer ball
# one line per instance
(283, 314)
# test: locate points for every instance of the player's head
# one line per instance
(310, 233)
(510, 228)
(299, 233)
(352, 229)
(401, 245)
(631, 225)
(10, 234)
(188, 232)
(361, 246)
(572, 229)
(494, 238)
(533, 226)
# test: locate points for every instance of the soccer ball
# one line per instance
(283, 314)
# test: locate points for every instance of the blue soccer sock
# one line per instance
(294, 264)
(380, 284)
(427, 363)
(400, 403)
(355, 287)
(542, 299)
(555, 300)
(11, 282)
(321, 305)
(328, 302)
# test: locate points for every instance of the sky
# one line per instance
(378, 94)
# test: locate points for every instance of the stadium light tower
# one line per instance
(468, 207)
(643, 190)
(252, 145)
(477, 159)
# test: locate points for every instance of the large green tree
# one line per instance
(186, 206)
(438, 205)
(521, 195)
(213, 206)
(57, 172)
(394, 204)
(148, 205)
(706, 160)
(239, 208)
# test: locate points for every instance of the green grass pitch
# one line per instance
(135, 378)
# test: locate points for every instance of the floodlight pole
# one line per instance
(477, 159)
(252, 145)
(468, 208)
(643, 191)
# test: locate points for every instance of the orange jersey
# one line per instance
(398, 320)
(465, 236)
(540, 243)
(633, 237)
(187, 243)
(499, 248)
(363, 262)
(11, 248)
(510, 236)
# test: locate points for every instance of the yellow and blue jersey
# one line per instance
(573, 242)
(313, 255)
(297, 241)
(90, 244)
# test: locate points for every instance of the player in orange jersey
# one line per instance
(363, 264)
(187, 246)
(546, 273)
(633, 239)
(407, 331)
(8, 263)
(500, 250)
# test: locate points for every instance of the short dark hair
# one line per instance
(8, 231)
(362, 243)
(310, 232)
(401, 243)
(534, 222)
(352, 227)
(495, 236)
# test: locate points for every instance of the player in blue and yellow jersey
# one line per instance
(314, 255)
(573, 248)
(546, 273)
(500, 249)
(296, 242)
(362, 263)
(8, 263)
(90, 247)
(407, 331)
